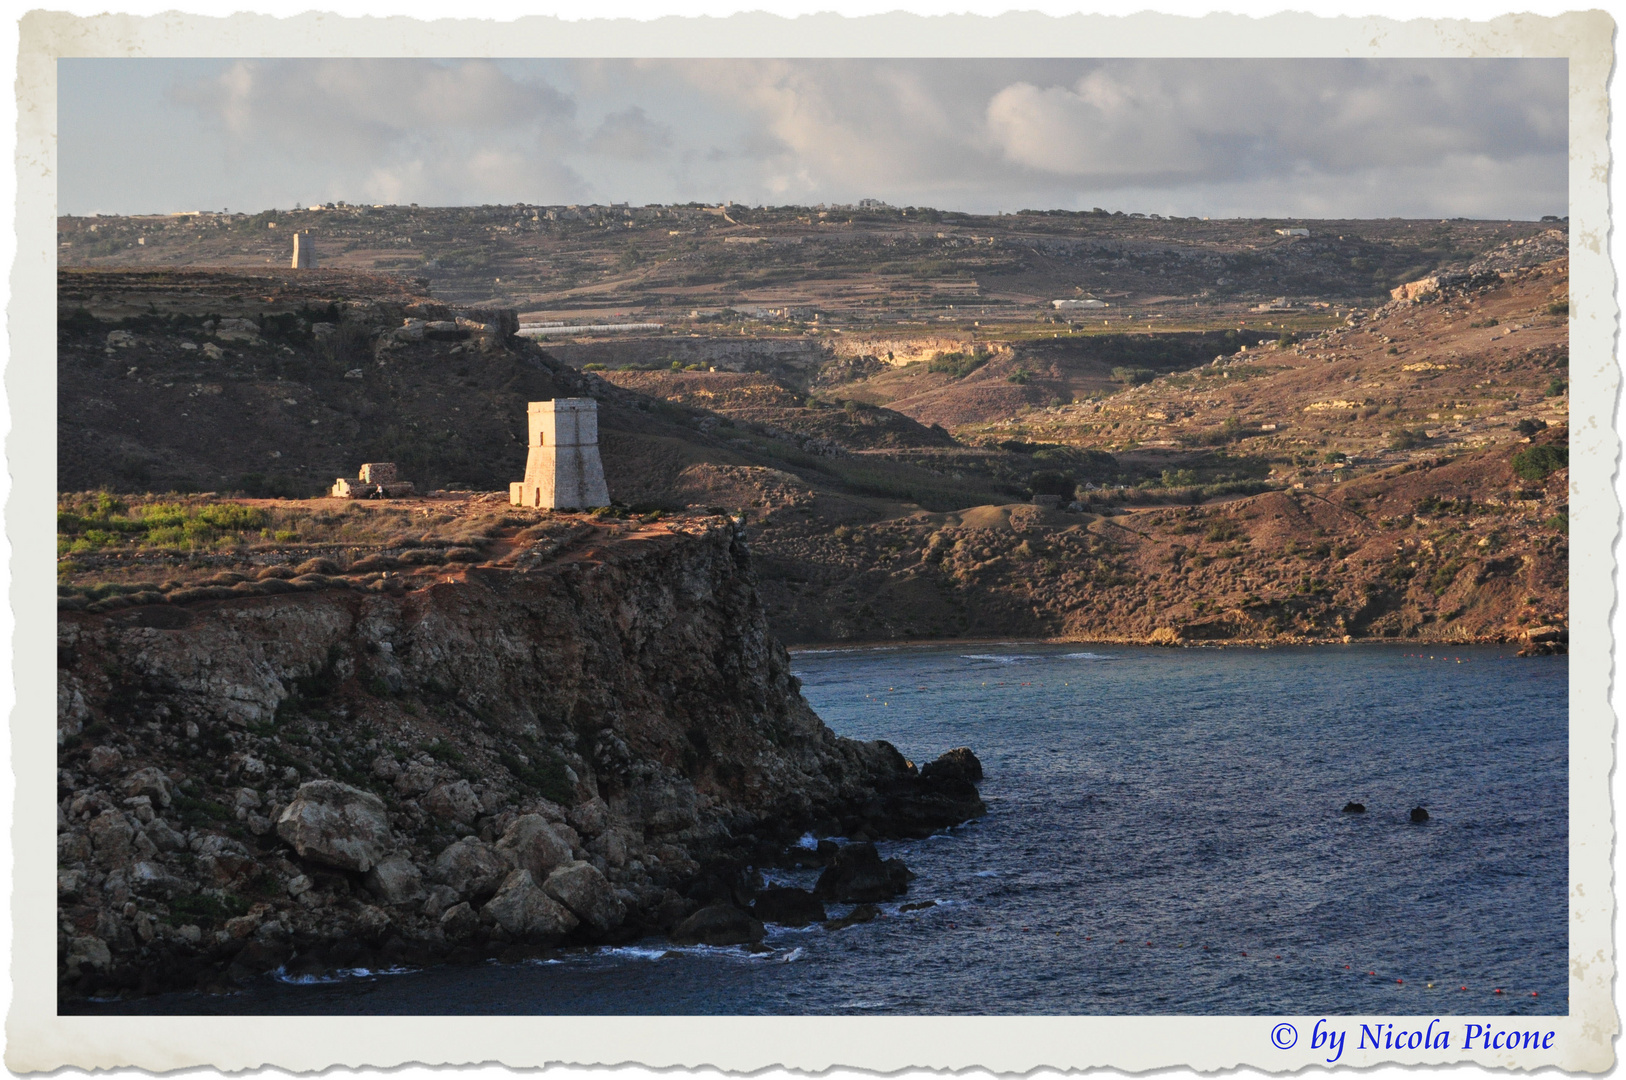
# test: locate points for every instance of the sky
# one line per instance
(1484, 138)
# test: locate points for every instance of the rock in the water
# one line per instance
(787, 907)
(336, 824)
(525, 911)
(535, 844)
(860, 914)
(396, 881)
(471, 867)
(1419, 814)
(581, 888)
(1354, 808)
(959, 763)
(719, 924)
(858, 876)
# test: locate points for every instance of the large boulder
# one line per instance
(859, 876)
(149, 782)
(959, 763)
(719, 924)
(535, 844)
(787, 907)
(396, 881)
(338, 825)
(581, 888)
(453, 802)
(471, 867)
(525, 911)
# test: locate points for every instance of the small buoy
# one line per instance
(1402, 982)
(1462, 988)
(1278, 958)
(1346, 967)
(1089, 939)
(1148, 944)
(1498, 990)
(1371, 973)
(1244, 954)
(1431, 986)
(1532, 993)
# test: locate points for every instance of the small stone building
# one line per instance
(376, 478)
(562, 466)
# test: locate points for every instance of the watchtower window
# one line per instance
(541, 438)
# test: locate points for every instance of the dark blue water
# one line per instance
(1164, 836)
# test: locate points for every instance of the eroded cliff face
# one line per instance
(505, 759)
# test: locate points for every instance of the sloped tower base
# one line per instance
(562, 466)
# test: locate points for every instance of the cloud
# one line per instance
(630, 134)
(1258, 137)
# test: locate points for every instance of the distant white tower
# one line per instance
(562, 466)
(304, 253)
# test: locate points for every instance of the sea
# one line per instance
(1165, 835)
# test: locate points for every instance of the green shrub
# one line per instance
(1536, 462)
(957, 364)
(1407, 438)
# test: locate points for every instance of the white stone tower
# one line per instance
(562, 466)
(304, 253)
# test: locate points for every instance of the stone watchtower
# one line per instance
(304, 253)
(562, 467)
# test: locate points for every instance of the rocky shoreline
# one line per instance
(499, 763)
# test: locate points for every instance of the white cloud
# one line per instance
(1436, 137)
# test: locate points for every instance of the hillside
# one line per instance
(781, 266)
(1250, 481)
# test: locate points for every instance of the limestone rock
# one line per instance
(590, 818)
(336, 824)
(581, 888)
(454, 802)
(104, 759)
(149, 782)
(535, 845)
(526, 911)
(110, 835)
(471, 867)
(719, 924)
(458, 922)
(787, 907)
(152, 879)
(89, 952)
(858, 876)
(224, 861)
(395, 880)
(959, 763)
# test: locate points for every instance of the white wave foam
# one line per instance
(792, 956)
(986, 873)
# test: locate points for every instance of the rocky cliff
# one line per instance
(474, 761)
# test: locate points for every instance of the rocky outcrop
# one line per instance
(499, 764)
(859, 876)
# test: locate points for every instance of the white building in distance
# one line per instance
(1077, 305)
